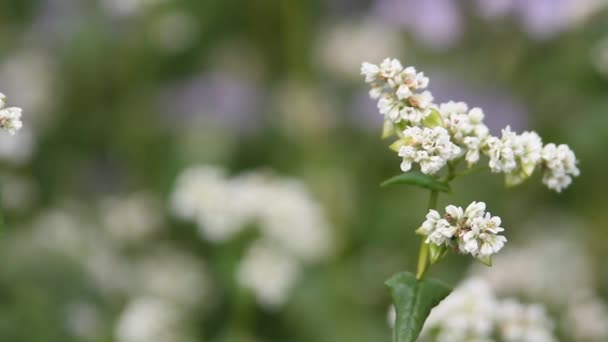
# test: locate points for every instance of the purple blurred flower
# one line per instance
(500, 107)
(217, 97)
(437, 23)
(541, 19)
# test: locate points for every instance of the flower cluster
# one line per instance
(292, 228)
(472, 312)
(471, 231)
(433, 135)
(10, 117)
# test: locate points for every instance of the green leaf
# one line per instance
(433, 120)
(418, 179)
(413, 301)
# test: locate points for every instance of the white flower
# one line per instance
(149, 319)
(519, 322)
(370, 71)
(397, 91)
(430, 147)
(586, 318)
(390, 68)
(466, 128)
(473, 313)
(559, 164)
(10, 119)
(467, 314)
(500, 151)
(472, 230)
(482, 240)
(269, 273)
(205, 195)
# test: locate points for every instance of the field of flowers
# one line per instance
(211, 170)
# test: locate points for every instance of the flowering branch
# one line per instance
(436, 137)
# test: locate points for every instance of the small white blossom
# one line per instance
(482, 240)
(559, 166)
(466, 128)
(472, 231)
(370, 71)
(10, 119)
(429, 147)
(501, 153)
(398, 91)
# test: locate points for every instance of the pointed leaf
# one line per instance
(419, 179)
(413, 301)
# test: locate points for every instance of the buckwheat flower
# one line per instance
(473, 145)
(269, 273)
(527, 148)
(471, 231)
(370, 71)
(10, 119)
(429, 147)
(500, 151)
(482, 239)
(521, 322)
(390, 68)
(559, 165)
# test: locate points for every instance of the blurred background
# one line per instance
(134, 108)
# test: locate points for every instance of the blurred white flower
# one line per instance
(537, 262)
(131, 218)
(472, 312)
(292, 226)
(518, 322)
(586, 319)
(429, 147)
(269, 273)
(172, 276)
(148, 319)
(467, 314)
(205, 195)
(559, 166)
(341, 47)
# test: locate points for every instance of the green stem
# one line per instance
(423, 255)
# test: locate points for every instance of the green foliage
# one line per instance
(413, 300)
(419, 179)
